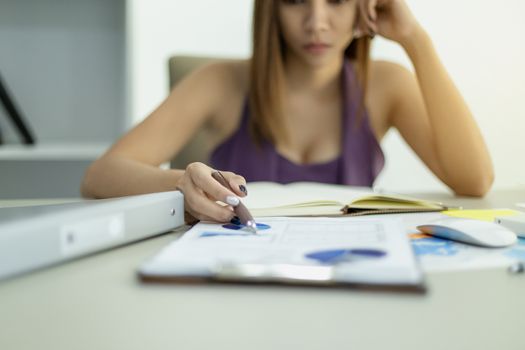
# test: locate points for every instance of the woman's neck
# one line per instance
(303, 78)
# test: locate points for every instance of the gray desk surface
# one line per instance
(98, 303)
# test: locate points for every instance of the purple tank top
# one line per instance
(359, 163)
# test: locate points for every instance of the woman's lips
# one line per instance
(316, 48)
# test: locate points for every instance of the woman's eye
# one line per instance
(293, 2)
(337, 2)
(299, 2)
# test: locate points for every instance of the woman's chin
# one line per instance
(320, 61)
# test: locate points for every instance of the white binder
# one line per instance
(37, 236)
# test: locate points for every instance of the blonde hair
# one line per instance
(267, 81)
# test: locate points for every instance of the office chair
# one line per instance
(198, 148)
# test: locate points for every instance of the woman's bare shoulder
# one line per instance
(240, 73)
(388, 75)
(231, 75)
(385, 84)
(389, 80)
(219, 86)
(229, 79)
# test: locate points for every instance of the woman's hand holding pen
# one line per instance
(201, 191)
(391, 19)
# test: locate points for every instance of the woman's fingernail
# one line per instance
(243, 189)
(235, 220)
(232, 200)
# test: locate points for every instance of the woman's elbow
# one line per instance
(87, 186)
(478, 186)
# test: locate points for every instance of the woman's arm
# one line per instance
(131, 166)
(116, 175)
(427, 109)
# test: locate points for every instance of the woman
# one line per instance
(309, 105)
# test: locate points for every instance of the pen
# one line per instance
(240, 209)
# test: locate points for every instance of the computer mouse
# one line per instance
(477, 232)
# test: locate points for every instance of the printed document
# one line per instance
(372, 251)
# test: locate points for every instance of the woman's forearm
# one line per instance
(460, 148)
(117, 176)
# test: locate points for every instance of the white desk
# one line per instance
(98, 303)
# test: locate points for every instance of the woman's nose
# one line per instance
(317, 16)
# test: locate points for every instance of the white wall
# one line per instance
(159, 29)
(480, 41)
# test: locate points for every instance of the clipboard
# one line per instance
(372, 253)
